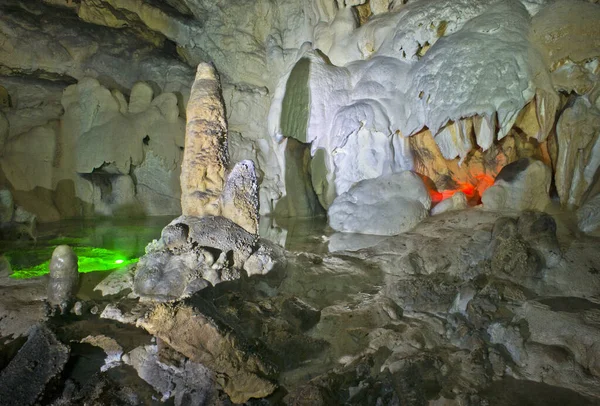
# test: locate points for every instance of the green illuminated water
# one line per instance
(100, 245)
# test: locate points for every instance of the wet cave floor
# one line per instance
(437, 316)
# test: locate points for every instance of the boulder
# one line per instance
(116, 281)
(221, 234)
(588, 215)
(240, 369)
(524, 246)
(111, 348)
(267, 257)
(195, 252)
(164, 276)
(510, 254)
(387, 205)
(457, 201)
(521, 185)
(40, 360)
(186, 381)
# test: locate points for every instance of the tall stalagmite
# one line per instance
(205, 155)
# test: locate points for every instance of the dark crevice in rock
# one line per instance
(37, 74)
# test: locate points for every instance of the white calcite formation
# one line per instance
(467, 73)
(387, 205)
(453, 69)
(522, 185)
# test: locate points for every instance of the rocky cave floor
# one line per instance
(469, 308)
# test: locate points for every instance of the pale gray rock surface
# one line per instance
(588, 215)
(265, 259)
(186, 381)
(457, 201)
(221, 234)
(117, 281)
(7, 206)
(387, 205)
(239, 198)
(521, 185)
(194, 253)
(577, 133)
(207, 341)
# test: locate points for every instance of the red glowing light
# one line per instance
(472, 191)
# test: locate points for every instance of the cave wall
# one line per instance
(94, 95)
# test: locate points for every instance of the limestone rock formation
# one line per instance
(40, 360)
(69, 49)
(588, 215)
(521, 185)
(386, 205)
(206, 187)
(457, 201)
(385, 82)
(111, 348)
(523, 247)
(242, 375)
(196, 252)
(186, 381)
(7, 206)
(218, 231)
(205, 155)
(64, 276)
(485, 317)
(539, 229)
(578, 162)
(84, 162)
(239, 199)
(193, 253)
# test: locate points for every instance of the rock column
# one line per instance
(205, 156)
(64, 276)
